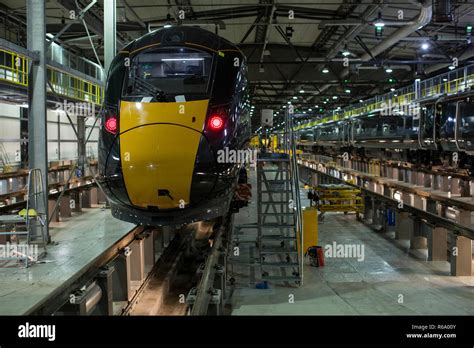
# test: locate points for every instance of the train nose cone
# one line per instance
(158, 164)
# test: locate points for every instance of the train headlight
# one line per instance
(216, 123)
(111, 125)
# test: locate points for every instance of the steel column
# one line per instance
(110, 33)
(37, 133)
(81, 143)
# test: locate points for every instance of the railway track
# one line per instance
(182, 284)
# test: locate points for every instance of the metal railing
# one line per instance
(452, 82)
(14, 70)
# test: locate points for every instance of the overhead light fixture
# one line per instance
(388, 70)
(301, 90)
(451, 67)
(180, 59)
(325, 102)
(392, 89)
(334, 97)
(425, 46)
(289, 102)
(316, 106)
(325, 70)
(295, 97)
(445, 80)
(345, 52)
(310, 110)
(361, 101)
(261, 69)
(167, 25)
(379, 23)
(348, 91)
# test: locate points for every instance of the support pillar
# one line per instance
(86, 199)
(149, 252)
(461, 256)
(104, 280)
(428, 179)
(110, 33)
(455, 189)
(65, 206)
(369, 208)
(51, 205)
(395, 175)
(37, 132)
(137, 259)
(444, 183)
(417, 240)
(403, 225)
(121, 278)
(77, 201)
(94, 195)
(438, 244)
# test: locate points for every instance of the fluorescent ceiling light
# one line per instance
(179, 59)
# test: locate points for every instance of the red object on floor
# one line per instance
(320, 253)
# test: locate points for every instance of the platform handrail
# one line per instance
(452, 82)
(14, 69)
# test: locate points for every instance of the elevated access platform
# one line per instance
(84, 243)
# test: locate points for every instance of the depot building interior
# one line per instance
(244, 157)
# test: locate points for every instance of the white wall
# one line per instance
(66, 147)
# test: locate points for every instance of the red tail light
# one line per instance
(111, 124)
(216, 123)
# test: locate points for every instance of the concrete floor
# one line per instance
(391, 280)
(80, 239)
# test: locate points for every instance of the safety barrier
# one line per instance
(14, 70)
(452, 82)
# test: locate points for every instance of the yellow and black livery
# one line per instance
(174, 98)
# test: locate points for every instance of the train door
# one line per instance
(465, 125)
(446, 124)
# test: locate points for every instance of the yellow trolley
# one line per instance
(338, 197)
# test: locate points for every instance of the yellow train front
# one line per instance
(174, 99)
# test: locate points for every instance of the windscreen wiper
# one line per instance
(147, 87)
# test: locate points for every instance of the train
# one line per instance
(437, 131)
(174, 98)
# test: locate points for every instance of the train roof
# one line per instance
(182, 36)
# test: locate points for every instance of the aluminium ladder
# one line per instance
(279, 211)
(277, 219)
(4, 160)
(23, 228)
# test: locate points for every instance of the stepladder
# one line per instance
(24, 235)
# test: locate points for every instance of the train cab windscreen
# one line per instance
(164, 73)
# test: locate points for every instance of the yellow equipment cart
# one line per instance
(338, 197)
